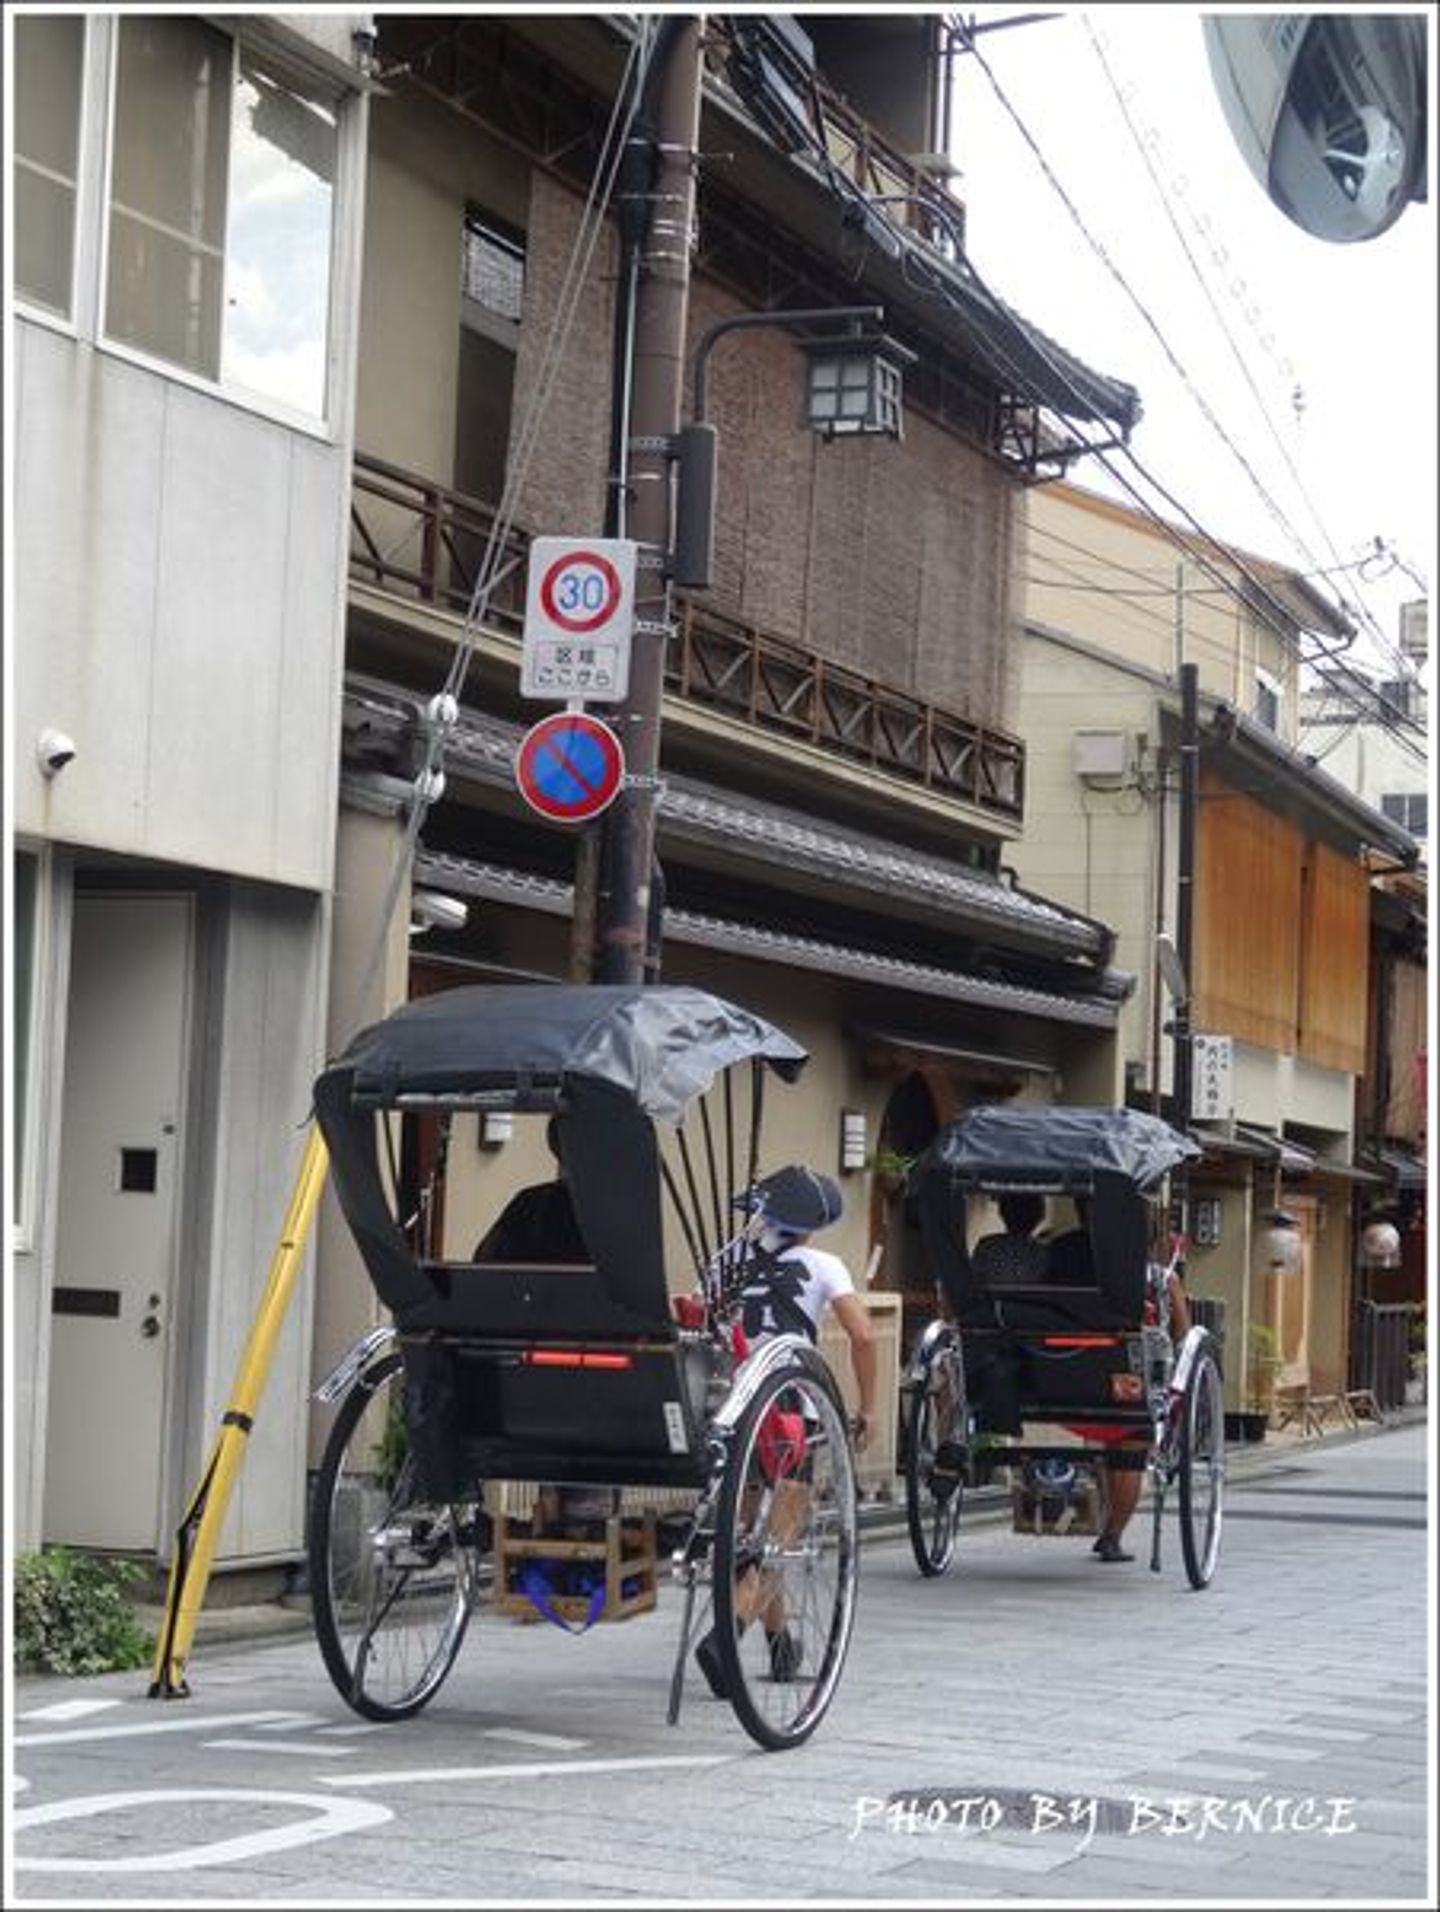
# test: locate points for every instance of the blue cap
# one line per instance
(797, 1199)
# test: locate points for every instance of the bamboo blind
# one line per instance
(1334, 962)
(1247, 935)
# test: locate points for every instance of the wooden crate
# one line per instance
(626, 1551)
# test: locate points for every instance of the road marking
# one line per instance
(331, 1818)
(543, 1742)
(302, 1748)
(200, 1723)
(555, 1769)
(69, 1709)
(356, 1726)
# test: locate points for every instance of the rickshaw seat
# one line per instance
(1052, 1307)
(527, 1301)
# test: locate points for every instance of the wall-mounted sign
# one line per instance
(1212, 1078)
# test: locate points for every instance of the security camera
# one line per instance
(429, 909)
(54, 751)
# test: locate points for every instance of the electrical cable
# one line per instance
(1098, 248)
(444, 707)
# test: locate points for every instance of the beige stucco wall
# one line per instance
(1103, 574)
(1090, 847)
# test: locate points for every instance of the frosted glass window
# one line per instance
(221, 213)
(49, 56)
(167, 193)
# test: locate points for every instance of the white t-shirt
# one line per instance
(809, 1278)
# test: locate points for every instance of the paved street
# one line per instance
(1116, 1736)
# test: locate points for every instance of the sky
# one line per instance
(1248, 308)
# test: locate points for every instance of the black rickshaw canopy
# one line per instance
(661, 1045)
(1114, 1158)
(611, 1060)
(1059, 1148)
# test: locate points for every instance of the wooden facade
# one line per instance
(1282, 933)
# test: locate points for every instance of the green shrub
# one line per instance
(72, 1616)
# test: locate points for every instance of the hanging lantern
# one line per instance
(1281, 1246)
(1380, 1244)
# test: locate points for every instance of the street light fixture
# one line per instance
(854, 388)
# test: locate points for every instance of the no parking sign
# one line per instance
(579, 613)
(569, 766)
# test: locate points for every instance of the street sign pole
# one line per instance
(628, 836)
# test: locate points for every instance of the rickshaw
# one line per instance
(575, 1373)
(1095, 1357)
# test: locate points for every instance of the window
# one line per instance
(49, 52)
(1410, 810)
(492, 267)
(221, 211)
(1267, 703)
(1393, 697)
(492, 301)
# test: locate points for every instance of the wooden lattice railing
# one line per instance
(423, 543)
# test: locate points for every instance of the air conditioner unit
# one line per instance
(1102, 756)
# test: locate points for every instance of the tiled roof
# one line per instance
(467, 877)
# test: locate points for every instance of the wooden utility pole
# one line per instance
(627, 854)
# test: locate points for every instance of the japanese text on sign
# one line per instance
(579, 616)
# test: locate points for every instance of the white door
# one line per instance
(130, 968)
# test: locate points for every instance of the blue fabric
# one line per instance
(538, 1584)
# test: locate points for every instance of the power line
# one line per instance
(1100, 251)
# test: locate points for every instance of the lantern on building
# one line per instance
(1380, 1245)
(1282, 1249)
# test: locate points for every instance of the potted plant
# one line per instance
(1263, 1364)
(890, 1168)
(1415, 1379)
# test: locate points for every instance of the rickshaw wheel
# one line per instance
(785, 1558)
(1202, 1470)
(392, 1573)
(934, 1422)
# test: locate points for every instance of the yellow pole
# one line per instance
(199, 1532)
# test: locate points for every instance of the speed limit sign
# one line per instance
(579, 613)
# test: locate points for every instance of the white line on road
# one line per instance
(69, 1709)
(199, 1723)
(554, 1769)
(542, 1742)
(302, 1748)
(330, 1817)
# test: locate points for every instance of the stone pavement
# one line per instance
(1033, 1725)
(223, 1622)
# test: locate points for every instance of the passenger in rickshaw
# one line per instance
(1014, 1254)
(1072, 1262)
(786, 1286)
(538, 1224)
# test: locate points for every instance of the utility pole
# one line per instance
(627, 896)
(1185, 912)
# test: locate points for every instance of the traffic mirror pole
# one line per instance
(628, 892)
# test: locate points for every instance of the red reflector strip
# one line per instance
(577, 1358)
(1080, 1341)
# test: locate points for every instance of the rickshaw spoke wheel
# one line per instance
(392, 1573)
(934, 1431)
(785, 1560)
(1201, 1467)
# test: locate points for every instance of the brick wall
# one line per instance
(894, 559)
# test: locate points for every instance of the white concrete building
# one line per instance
(187, 209)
